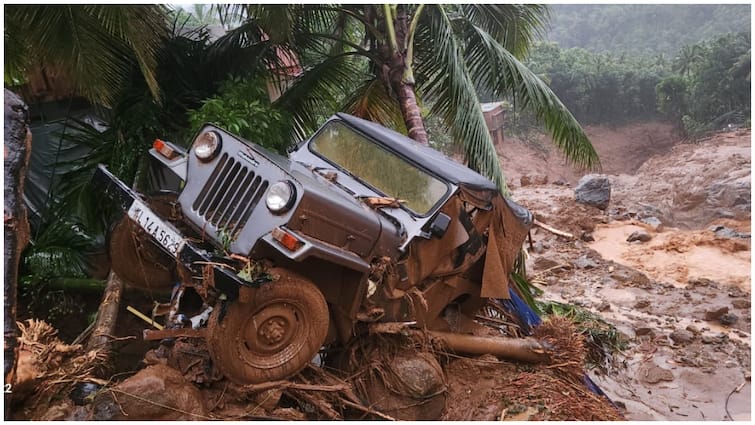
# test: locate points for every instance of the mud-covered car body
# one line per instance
(386, 229)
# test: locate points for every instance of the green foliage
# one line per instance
(94, 46)
(242, 106)
(456, 50)
(190, 68)
(528, 292)
(643, 29)
(713, 88)
(53, 266)
(439, 136)
(600, 88)
(672, 97)
(716, 84)
(58, 249)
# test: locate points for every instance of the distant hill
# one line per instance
(649, 29)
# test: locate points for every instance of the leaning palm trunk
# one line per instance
(402, 79)
(410, 112)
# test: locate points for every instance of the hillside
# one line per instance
(650, 29)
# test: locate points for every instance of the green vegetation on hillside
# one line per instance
(711, 89)
(702, 87)
(600, 88)
(651, 29)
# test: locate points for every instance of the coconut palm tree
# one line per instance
(384, 62)
(687, 58)
(94, 46)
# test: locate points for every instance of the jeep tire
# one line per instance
(271, 337)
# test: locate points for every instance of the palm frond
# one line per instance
(447, 81)
(500, 72)
(316, 93)
(75, 191)
(528, 291)
(94, 45)
(60, 249)
(372, 101)
(141, 30)
(514, 26)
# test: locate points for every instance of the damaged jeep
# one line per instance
(359, 231)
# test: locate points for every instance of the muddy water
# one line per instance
(675, 256)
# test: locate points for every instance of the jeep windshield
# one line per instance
(379, 168)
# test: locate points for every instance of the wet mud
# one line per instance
(682, 298)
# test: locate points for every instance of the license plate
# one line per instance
(171, 240)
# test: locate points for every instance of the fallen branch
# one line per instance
(318, 404)
(367, 410)
(293, 386)
(552, 230)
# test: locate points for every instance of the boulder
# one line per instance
(654, 223)
(725, 232)
(716, 312)
(639, 235)
(585, 263)
(682, 336)
(653, 374)
(545, 263)
(594, 190)
(741, 303)
(694, 329)
(728, 319)
(157, 392)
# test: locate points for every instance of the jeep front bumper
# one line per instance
(166, 236)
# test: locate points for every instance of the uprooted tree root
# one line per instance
(554, 391)
(48, 369)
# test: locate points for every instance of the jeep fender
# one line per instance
(311, 248)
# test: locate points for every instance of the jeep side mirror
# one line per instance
(439, 225)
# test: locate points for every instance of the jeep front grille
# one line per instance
(230, 195)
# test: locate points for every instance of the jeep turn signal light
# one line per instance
(286, 239)
(164, 150)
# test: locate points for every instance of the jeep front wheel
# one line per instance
(271, 337)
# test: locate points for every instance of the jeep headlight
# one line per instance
(207, 145)
(280, 197)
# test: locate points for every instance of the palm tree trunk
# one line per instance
(402, 80)
(410, 111)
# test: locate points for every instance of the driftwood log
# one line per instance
(16, 234)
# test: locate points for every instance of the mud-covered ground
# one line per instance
(683, 298)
